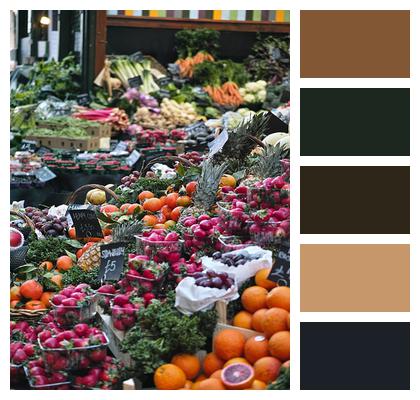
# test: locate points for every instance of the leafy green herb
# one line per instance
(283, 382)
(48, 249)
(190, 42)
(77, 275)
(215, 73)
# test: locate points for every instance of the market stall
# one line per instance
(150, 220)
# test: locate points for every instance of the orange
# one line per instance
(34, 305)
(31, 290)
(189, 363)
(255, 348)
(279, 345)
(109, 209)
(227, 180)
(275, 320)
(45, 298)
(261, 279)
(166, 211)
(279, 297)
(288, 322)
(258, 385)
(169, 377)
(152, 204)
(79, 253)
(238, 376)
(15, 293)
(14, 303)
(145, 195)
(72, 233)
(211, 364)
(191, 188)
(253, 298)
(236, 360)
(216, 374)
(57, 279)
(64, 263)
(169, 223)
(243, 319)
(211, 384)
(257, 319)
(176, 212)
(267, 369)
(228, 344)
(47, 265)
(183, 201)
(196, 385)
(150, 220)
(124, 207)
(171, 199)
(134, 208)
(159, 226)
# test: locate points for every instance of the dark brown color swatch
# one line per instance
(352, 200)
(355, 44)
(355, 277)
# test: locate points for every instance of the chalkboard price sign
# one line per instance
(137, 56)
(112, 261)
(135, 81)
(86, 223)
(275, 124)
(164, 93)
(44, 174)
(163, 81)
(280, 273)
(28, 145)
(83, 99)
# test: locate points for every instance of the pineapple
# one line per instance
(207, 187)
(240, 143)
(123, 232)
(268, 163)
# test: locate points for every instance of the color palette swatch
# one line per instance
(355, 355)
(355, 277)
(355, 200)
(355, 44)
(355, 122)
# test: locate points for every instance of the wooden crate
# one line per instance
(103, 130)
(54, 142)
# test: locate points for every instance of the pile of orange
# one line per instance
(231, 348)
(267, 310)
(30, 295)
(163, 212)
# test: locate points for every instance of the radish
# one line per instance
(67, 292)
(171, 237)
(69, 302)
(205, 225)
(44, 335)
(227, 189)
(241, 190)
(81, 330)
(107, 289)
(81, 287)
(51, 343)
(203, 217)
(200, 234)
(78, 296)
(57, 299)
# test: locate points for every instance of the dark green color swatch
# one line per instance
(355, 122)
(355, 200)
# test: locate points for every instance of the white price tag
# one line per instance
(217, 144)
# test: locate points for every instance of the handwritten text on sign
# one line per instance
(86, 223)
(280, 272)
(112, 261)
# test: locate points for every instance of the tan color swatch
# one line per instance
(355, 44)
(339, 278)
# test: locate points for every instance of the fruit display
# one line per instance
(152, 263)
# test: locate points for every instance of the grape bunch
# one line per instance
(193, 156)
(232, 259)
(48, 225)
(130, 180)
(212, 279)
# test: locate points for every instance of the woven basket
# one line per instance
(18, 256)
(90, 186)
(27, 315)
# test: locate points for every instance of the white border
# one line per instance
(296, 238)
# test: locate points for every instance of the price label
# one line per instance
(86, 223)
(217, 144)
(43, 150)
(132, 158)
(28, 145)
(83, 99)
(163, 81)
(164, 93)
(135, 81)
(196, 128)
(173, 69)
(137, 56)
(280, 272)
(112, 261)
(44, 174)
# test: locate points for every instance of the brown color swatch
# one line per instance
(355, 44)
(355, 277)
(354, 200)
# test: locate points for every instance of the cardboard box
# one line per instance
(103, 130)
(54, 142)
